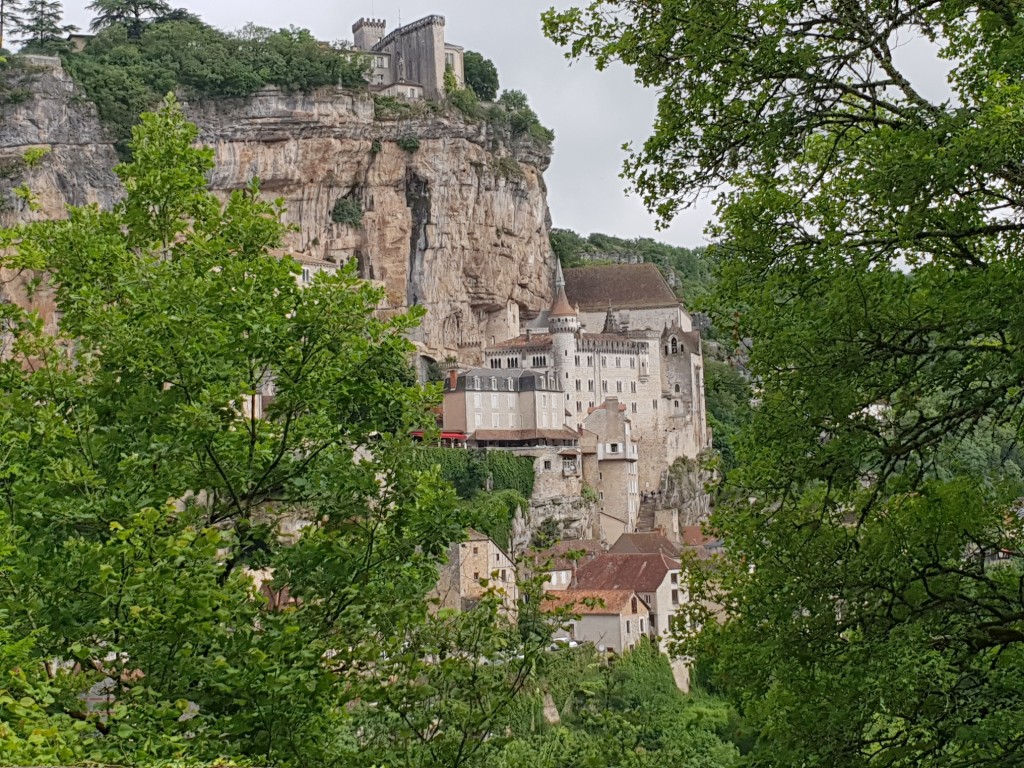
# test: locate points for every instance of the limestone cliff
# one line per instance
(454, 218)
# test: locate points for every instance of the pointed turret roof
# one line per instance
(561, 306)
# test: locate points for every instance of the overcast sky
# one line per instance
(593, 114)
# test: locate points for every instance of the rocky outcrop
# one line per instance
(455, 218)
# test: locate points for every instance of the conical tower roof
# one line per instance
(561, 306)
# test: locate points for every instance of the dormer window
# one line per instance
(476, 382)
(494, 383)
(509, 382)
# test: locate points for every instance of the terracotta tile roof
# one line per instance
(640, 573)
(620, 286)
(694, 536)
(595, 602)
(561, 307)
(490, 435)
(303, 259)
(534, 341)
(644, 543)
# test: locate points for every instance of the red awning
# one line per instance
(453, 436)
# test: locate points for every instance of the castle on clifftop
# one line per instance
(409, 61)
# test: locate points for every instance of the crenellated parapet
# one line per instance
(427, 21)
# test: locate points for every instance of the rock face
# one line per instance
(455, 218)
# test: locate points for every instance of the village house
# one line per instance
(611, 619)
(475, 566)
(610, 466)
(654, 577)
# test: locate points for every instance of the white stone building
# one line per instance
(619, 331)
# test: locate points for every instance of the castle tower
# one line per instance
(366, 33)
(563, 323)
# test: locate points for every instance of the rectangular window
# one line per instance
(590, 385)
(494, 401)
(478, 420)
(511, 401)
(476, 400)
(632, 362)
(579, 407)
(654, 405)
(495, 420)
(632, 387)
(634, 407)
(604, 385)
(579, 385)
(613, 448)
(675, 578)
(618, 386)
(547, 464)
(590, 359)
(675, 597)
(604, 360)
(627, 626)
(641, 625)
(544, 401)
(618, 362)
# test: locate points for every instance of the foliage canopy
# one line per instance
(143, 494)
(481, 76)
(126, 74)
(870, 240)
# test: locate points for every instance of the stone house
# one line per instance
(512, 408)
(475, 566)
(656, 578)
(610, 466)
(411, 60)
(611, 619)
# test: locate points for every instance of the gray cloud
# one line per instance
(592, 113)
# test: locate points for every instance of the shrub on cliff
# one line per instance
(125, 76)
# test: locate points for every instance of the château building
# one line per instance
(411, 60)
(620, 332)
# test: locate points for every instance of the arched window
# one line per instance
(634, 605)
(675, 345)
(677, 389)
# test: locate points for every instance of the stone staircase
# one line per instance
(645, 517)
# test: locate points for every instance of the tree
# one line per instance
(237, 571)
(9, 15)
(134, 14)
(481, 75)
(39, 27)
(870, 242)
